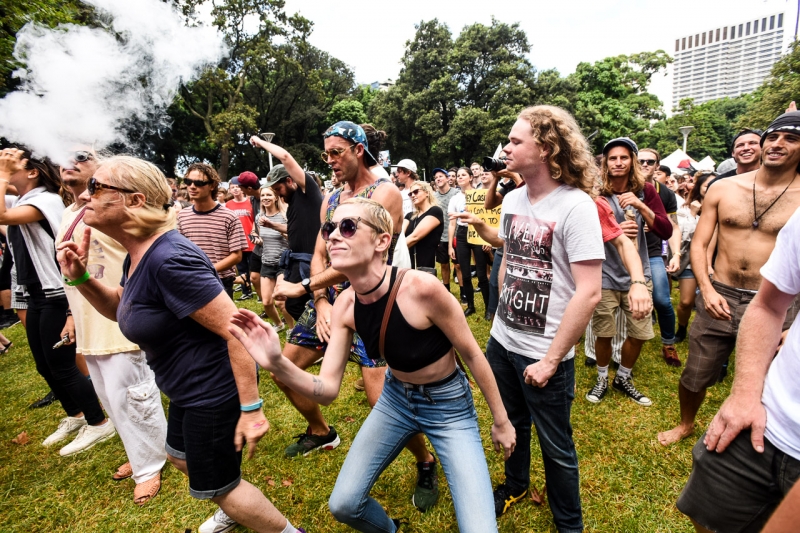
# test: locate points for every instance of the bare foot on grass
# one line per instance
(676, 434)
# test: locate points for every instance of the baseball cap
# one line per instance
(247, 179)
(408, 164)
(234, 181)
(350, 131)
(435, 170)
(275, 175)
(627, 142)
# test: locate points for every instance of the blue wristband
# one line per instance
(253, 406)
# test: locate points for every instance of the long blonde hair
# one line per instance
(157, 214)
(426, 187)
(569, 159)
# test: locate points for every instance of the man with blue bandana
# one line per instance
(346, 151)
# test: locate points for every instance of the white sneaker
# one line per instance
(66, 427)
(88, 436)
(219, 523)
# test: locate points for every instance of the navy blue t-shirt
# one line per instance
(174, 279)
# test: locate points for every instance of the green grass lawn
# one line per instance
(628, 481)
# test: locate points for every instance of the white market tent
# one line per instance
(679, 162)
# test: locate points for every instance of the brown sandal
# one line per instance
(144, 492)
(123, 472)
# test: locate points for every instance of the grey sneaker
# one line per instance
(427, 490)
(68, 426)
(625, 386)
(308, 442)
(218, 523)
(599, 390)
(88, 436)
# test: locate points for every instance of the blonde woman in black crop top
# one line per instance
(424, 391)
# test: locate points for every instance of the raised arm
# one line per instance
(295, 171)
(73, 258)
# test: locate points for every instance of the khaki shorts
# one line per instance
(712, 341)
(604, 324)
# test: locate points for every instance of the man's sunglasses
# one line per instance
(81, 157)
(94, 185)
(347, 227)
(334, 153)
(196, 183)
(648, 162)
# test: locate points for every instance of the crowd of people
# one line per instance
(565, 245)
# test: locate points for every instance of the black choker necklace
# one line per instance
(757, 217)
(375, 288)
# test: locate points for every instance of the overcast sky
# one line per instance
(371, 37)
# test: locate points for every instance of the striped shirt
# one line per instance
(274, 241)
(217, 232)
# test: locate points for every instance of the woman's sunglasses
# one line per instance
(414, 192)
(94, 185)
(347, 227)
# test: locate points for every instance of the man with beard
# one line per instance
(634, 203)
(747, 211)
(346, 151)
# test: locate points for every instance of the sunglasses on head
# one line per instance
(334, 153)
(81, 156)
(648, 162)
(95, 185)
(347, 227)
(196, 183)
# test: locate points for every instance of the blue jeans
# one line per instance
(549, 410)
(661, 300)
(446, 415)
(494, 289)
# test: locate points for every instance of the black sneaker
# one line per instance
(427, 490)
(244, 296)
(599, 390)
(308, 442)
(625, 386)
(589, 362)
(504, 499)
(9, 320)
(469, 311)
(43, 402)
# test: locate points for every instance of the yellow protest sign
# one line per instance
(475, 200)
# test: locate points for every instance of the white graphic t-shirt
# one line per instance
(541, 241)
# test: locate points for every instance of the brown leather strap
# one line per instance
(389, 304)
(71, 229)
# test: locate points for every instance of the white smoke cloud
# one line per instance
(81, 84)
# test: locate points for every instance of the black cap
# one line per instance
(627, 142)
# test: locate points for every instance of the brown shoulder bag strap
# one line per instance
(389, 304)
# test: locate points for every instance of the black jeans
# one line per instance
(464, 252)
(46, 320)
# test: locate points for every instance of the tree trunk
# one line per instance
(224, 163)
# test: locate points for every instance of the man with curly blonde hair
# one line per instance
(549, 286)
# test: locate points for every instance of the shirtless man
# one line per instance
(346, 151)
(749, 211)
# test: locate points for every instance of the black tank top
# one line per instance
(407, 349)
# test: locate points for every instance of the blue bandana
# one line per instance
(350, 131)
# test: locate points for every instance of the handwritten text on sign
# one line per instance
(475, 201)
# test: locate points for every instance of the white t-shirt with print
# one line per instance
(541, 241)
(781, 396)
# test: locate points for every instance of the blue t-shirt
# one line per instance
(174, 279)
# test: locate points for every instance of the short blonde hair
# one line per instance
(157, 214)
(570, 159)
(376, 214)
(425, 186)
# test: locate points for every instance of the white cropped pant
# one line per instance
(127, 389)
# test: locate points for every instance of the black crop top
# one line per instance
(407, 349)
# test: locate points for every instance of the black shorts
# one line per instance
(737, 490)
(270, 271)
(227, 284)
(442, 253)
(203, 437)
(243, 267)
(255, 262)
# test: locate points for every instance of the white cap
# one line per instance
(408, 164)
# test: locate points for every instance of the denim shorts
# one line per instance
(203, 437)
(270, 270)
(686, 274)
